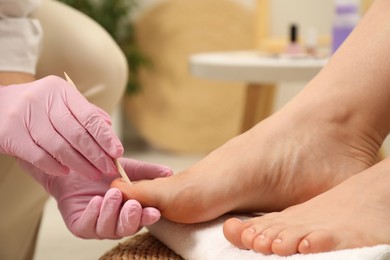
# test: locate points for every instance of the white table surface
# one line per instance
(254, 67)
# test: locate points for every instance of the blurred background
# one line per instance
(171, 117)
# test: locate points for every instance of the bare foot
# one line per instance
(319, 139)
(353, 214)
(286, 159)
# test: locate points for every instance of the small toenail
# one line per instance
(305, 243)
(278, 241)
(251, 230)
(262, 236)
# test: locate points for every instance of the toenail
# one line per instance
(239, 220)
(251, 230)
(305, 243)
(278, 241)
(262, 236)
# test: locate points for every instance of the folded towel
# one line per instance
(205, 241)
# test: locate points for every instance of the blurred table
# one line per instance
(261, 71)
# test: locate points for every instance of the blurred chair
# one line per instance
(175, 111)
(76, 44)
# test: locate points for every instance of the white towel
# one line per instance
(206, 241)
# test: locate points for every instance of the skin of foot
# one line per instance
(353, 214)
(286, 159)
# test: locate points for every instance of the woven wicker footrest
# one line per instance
(141, 247)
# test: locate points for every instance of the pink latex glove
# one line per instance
(49, 124)
(91, 209)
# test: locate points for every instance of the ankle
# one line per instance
(343, 121)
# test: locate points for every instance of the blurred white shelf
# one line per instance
(254, 67)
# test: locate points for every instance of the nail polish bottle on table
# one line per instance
(293, 47)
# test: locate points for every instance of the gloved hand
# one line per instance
(49, 124)
(91, 209)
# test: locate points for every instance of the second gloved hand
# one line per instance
(91, 209)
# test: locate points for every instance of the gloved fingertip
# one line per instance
(96, 202)
(133, 206)
(165, 171)
(150, 216)
(130, 218)
(114, 193)
(105, 116)
(118, 150)
(113, 145)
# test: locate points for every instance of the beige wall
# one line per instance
(306, 13)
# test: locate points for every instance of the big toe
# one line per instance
(162, 193)
(144, 192)
(232, 229)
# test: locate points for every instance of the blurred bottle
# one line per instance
(346, 16)
(293, 47)
(311, 41)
